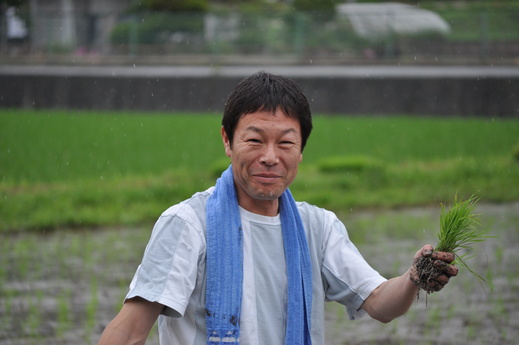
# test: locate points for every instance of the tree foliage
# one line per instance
(172, 5)
(13, 2)
(316, 5)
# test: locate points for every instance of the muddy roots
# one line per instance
(426, 274)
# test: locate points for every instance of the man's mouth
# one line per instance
(267, 178)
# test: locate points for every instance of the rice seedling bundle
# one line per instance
(460, 230)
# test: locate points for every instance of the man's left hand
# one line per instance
(441, 261)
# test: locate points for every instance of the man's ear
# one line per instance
(226, 142)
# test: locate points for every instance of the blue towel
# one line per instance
(224, 267)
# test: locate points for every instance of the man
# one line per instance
(242, 262)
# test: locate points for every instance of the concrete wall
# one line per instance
(366, 90)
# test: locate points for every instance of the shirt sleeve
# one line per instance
(347, 277)
(168, 271)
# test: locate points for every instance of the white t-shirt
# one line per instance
(172, 273)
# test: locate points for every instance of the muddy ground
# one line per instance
(63, 287)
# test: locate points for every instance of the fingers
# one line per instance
(442, 279)
(451, 271)
(428, 250)
(448, 271)
(435, 285)
(425, 251)
(447, 257)
(446, 268)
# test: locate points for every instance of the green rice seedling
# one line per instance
(474, 322)
(91, 308)
(489, 278)
(504, 333)
(34, 315)
(499, 311)
(64, 313)
(499, 255)
(459, 230)
(6, 303)
(471, 332)
(434, 318)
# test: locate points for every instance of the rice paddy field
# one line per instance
(63, 287)
(79, 193)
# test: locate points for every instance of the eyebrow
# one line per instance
(259, 130)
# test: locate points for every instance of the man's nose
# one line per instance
(269, 155)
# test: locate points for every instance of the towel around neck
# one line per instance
(224, 267)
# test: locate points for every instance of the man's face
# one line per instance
(265, 155)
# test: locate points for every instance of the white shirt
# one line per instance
(172, 273)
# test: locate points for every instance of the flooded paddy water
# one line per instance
(63, 287)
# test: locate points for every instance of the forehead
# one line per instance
(263, 120)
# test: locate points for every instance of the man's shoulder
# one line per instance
(312, 214)
(305, 207)
(196, 203)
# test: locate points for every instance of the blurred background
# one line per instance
(443, 32)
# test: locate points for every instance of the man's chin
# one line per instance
(268, 195)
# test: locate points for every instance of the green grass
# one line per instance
(64, 146)
(89, 169)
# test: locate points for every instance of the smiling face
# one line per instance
(265, 154)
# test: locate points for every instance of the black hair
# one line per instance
(263, 91)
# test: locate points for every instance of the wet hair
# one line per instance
(263, 91)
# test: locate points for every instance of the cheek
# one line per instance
(296, 159)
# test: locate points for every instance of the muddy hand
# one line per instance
(441, 261)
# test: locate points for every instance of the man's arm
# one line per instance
(394, 297)
(132, 324)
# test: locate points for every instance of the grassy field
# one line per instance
(75, 169)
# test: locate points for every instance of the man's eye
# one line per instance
(252, 140)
